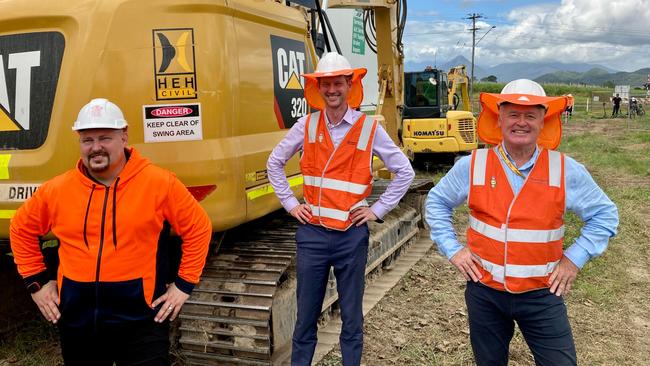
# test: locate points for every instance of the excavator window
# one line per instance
(422, 90)
(444, 90)
(422, 94)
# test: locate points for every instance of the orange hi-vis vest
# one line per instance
(518, 238)
(336, 180)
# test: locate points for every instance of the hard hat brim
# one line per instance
(488, 121)
(118, 126)
(355, 96)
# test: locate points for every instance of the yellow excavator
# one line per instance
(458, 95)
(437, 116)
(208, 87)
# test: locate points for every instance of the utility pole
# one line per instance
(473, 17)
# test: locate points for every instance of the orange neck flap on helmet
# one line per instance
(355, 96)
(488, 121)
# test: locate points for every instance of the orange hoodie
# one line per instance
(112, 265)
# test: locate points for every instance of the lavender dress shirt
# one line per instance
(383, 147)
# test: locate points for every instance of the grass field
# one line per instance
(551, 89)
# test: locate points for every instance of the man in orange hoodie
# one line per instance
(112, 298)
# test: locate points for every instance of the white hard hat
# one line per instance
(100, 113)
(333, 64)
(522, 92)
(523, 86)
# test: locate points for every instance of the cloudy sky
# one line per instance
(613, 33)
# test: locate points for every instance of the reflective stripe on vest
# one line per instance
(517, 270)
(554, 168)
(479, 167)
(339, 185)
(519, 235)
(313, 126)
(335, 214)
(365, 134)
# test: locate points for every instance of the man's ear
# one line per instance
(125, 135)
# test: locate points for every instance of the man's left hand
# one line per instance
(172, 301)
(362, 215)
(563, 276)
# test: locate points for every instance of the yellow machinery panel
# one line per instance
(453, 134)
(208, 89)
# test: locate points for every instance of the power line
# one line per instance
(492, 27)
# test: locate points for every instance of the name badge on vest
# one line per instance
(493, 182)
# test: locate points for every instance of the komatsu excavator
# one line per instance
(209, 87)
(437, 116)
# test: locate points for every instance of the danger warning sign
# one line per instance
(176, 122)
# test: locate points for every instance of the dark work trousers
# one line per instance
(541, 316)
(143, 343)
(318, 250)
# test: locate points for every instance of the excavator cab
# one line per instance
(425, 94)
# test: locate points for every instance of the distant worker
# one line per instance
(514, 262)
(338, 144)
(616, 102)
(111, 301)
(569, 106)
(634, 107)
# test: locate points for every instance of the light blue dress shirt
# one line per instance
(583, 196)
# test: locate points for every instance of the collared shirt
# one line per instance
(583, 197)
(383, 147)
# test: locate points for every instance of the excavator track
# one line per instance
(243, 310)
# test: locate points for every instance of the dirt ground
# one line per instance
(423, 319)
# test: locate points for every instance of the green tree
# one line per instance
(489, 79)
(609, 84)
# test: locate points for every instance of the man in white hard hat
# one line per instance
(111, 301)
(517, 192)
(338, 144)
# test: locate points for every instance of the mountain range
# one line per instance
(597, 76)
(548, 72)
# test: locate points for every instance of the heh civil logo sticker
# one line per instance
(289, 63)
(174, 66)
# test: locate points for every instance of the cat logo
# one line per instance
(289, 63)
(22, 62)
(291, 66)
(174, 67)
(29, 72)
